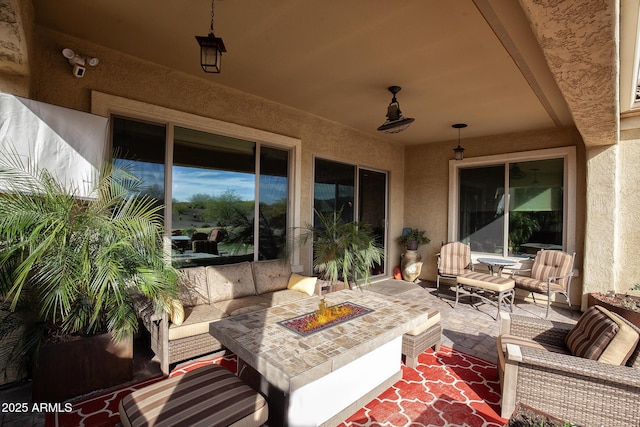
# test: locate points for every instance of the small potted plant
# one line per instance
(413, 238)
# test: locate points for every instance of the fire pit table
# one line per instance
(323, 377)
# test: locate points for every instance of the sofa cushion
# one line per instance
(592, 334)
(303, 284)
(177, 312)
(192, 286)
(271, 275)
(622, 345)
(283, 297)
(196, 321)
(233, 307)
(230, 281)
(429, 323)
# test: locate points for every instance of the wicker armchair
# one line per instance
(582, 391)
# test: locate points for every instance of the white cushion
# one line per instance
(301, 283)
(429, 323)
(196, 321)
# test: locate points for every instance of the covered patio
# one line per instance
(289, 128)
(465, 329)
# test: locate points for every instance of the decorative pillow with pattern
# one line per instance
(592, 334)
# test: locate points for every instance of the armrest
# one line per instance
(567, 365)
(148, 313)
(583, 391)
(519, 272)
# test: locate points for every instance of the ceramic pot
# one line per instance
(411, 265)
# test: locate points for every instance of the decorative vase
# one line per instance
(411, 265)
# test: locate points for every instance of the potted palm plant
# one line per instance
(342, 250)
(74, 268)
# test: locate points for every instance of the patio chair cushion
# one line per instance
(592, 334)
(535, 285)
(455, 257)
(486, 281)
(210, 396)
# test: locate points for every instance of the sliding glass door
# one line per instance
(513, 209)
(354, 192)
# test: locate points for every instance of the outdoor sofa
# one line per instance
(210, 293)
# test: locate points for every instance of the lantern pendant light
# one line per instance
(211, 48)
(458, 152)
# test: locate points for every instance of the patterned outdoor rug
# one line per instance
(447, 388)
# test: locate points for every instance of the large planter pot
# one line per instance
(614, 303)
(68, 369)
(412, 245)
(411, 265)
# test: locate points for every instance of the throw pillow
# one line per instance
(301, 283)
(592, 334)
(622, 345)
(177, 312)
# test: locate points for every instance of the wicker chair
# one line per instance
(550, 274)
(583, 391)
(454, 260)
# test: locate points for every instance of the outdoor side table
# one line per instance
(499, 263)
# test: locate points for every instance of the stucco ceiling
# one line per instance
(469, 61)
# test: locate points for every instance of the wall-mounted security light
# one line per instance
(79, 62)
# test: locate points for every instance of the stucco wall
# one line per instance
(427, 185)
(125, 76)
(628, 249)
(15, 30)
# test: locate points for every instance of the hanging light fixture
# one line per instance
(458, 152)
(211, 48)
(395, 122)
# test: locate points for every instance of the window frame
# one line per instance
(569, 196)
(109, 105)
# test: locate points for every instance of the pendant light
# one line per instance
(395, 122)
(211, 48)
(458, 152)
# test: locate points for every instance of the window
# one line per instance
(355, 192)
(218, 186)
(515, 206)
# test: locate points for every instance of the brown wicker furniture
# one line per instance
(416, 341)
(211, 293)
(550, 274)
(583, 391)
